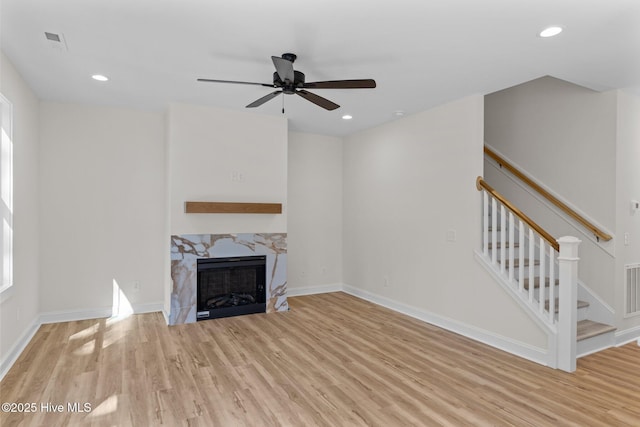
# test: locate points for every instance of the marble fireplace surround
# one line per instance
(186, 249)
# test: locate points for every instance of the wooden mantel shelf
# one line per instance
(232, 207)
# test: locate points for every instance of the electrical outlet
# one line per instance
(626, 239)
(237, 176)
(136, 286)
(386, 281)
(451, 235)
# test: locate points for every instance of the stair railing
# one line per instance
(525, 256)
(503, 163)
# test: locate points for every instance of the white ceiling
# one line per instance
(421, 52)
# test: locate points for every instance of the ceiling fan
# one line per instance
(290, 81)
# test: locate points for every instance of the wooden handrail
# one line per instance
(481, 183)
(550, 197)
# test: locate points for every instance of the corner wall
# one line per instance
(627, 189)
(102, 209)
(562, 134)
(315, 213)
(407, 184)
(19, 306)
(564, 137)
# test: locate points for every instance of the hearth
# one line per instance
(231, 286)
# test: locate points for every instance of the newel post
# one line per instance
(568, 302)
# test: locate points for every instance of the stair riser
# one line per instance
(516, 271)
(595, 344)
(506, 236)
(516, 253)
(582, 314)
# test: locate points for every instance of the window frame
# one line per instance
(6, 196)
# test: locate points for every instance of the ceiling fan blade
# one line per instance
(318, 100)
(342, 84)
(235, 82)
(259, 102)
(284, 68)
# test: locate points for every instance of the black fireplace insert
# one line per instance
(231, 286)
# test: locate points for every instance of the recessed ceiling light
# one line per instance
(347, 117)
(398, 113)
(551, 31)
(100, 77)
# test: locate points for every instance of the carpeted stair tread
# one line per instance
(507, 245)
(516, 262)
(536, 282)
(589, 328)
(581, 304)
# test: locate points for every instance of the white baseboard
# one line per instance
(151, 307)
(526, 351)
(626, 336)
(18, 348)
(311, 290)
(95, 313)
(74, 315)
(166, 316)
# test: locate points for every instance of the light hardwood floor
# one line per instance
(333, 360)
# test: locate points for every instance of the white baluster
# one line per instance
(552, 285)
(485, 223)
(494, 230)
(511, 246)
(521, 255)
(503, 238)
(541, 275)
(532, 264)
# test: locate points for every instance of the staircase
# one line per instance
(526, 260)
(589, 331)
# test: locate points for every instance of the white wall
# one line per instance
(562, 134)
(628, 188)
(315, 213)
(19, 307)
(406, 183)
(564, 137)
(102, 207)
(207, 148)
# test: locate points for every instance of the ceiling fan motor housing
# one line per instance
(289, 88)
(291, 57)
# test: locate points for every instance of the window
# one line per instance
(6, 193)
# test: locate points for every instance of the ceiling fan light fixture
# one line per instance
(551, 31)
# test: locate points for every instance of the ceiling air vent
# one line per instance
(55, 41)
(52, 37)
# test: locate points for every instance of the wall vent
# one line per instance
(632, 290)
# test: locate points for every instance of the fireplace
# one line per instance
(189, 249)
(231, 286)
